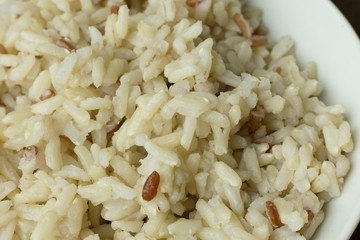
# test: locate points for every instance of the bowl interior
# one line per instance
(323, 35)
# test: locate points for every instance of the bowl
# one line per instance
(322, 34)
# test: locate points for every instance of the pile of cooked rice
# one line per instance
(160, 119)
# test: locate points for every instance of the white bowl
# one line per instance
(322, 34)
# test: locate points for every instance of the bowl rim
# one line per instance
(342, 18)
(348, 229)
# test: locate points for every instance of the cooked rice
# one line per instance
(99, 97)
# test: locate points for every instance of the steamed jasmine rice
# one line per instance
(161, 119)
